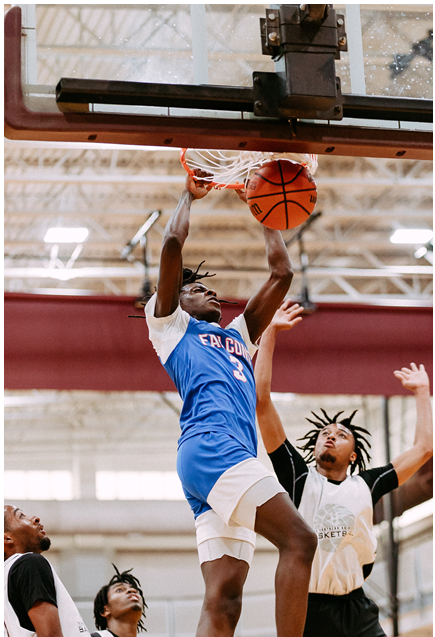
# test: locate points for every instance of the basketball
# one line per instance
(281, 194)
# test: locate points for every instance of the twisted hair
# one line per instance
(191, 276)
(361, 443)
(101, 598)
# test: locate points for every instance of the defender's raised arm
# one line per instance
(269, 422)
(417, 381)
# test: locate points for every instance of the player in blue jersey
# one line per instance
(232, 495)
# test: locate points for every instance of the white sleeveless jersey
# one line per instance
(70, 620)
(342, 517)
(103, 633)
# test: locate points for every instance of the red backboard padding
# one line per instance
(89, 343)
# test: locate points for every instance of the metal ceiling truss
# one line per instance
(350, 257)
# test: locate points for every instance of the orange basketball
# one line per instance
(281, 194)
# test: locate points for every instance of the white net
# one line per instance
(229, 168)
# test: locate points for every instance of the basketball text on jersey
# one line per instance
(332, 523)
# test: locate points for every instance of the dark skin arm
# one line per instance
(176, 232)
(45, 619)
(263, 305)
(416, 380)
(269, 422)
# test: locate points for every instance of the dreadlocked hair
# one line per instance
(361, 443)
(101, 598)
(191, 276)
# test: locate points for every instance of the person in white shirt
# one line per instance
(37, 604)
(119, 607)
(336, 501)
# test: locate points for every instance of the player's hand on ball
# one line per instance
(199, 187)
(287, 316)
(413, 379)
(242, 195)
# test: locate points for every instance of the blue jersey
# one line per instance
(212, 370)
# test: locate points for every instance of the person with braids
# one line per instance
(119, 607)
(231, 494)
(337, 495)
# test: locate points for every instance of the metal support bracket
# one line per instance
(271, 100)
(310, 39)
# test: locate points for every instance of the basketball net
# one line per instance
(232, 169)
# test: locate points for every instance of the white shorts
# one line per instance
(228, 529)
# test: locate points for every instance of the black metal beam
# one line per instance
(405, 109)
(222, 98)
(317, 13)
(227, 98)
(393, 547)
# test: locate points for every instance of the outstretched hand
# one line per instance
(286, 316)
(199, 187)
(242, 195)
(413, 379)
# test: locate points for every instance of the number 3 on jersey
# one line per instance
(238, 373)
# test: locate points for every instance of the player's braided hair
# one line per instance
(360, 441)
(101, 598)
(190, 276)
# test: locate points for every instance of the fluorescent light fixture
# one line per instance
(66, 235)
(411, 235)
(420, 252)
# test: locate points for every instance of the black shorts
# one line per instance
(352, 615)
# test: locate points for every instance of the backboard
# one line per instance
(373, 175)
(199, 61)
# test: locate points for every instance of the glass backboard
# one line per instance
(389, 54)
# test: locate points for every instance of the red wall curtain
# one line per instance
(56, 342)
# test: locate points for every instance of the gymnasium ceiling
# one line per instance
(112, 190)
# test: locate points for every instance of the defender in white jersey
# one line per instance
(337, 504)
(37, 604)
(232, 495)
(119, 607)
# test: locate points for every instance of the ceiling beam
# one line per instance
(210, 246)
(66, 274)
(330, 214)
(48, 176)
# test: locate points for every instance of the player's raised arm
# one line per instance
(263, 305)
(416, 380)
(176, 231)
(269, 422)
